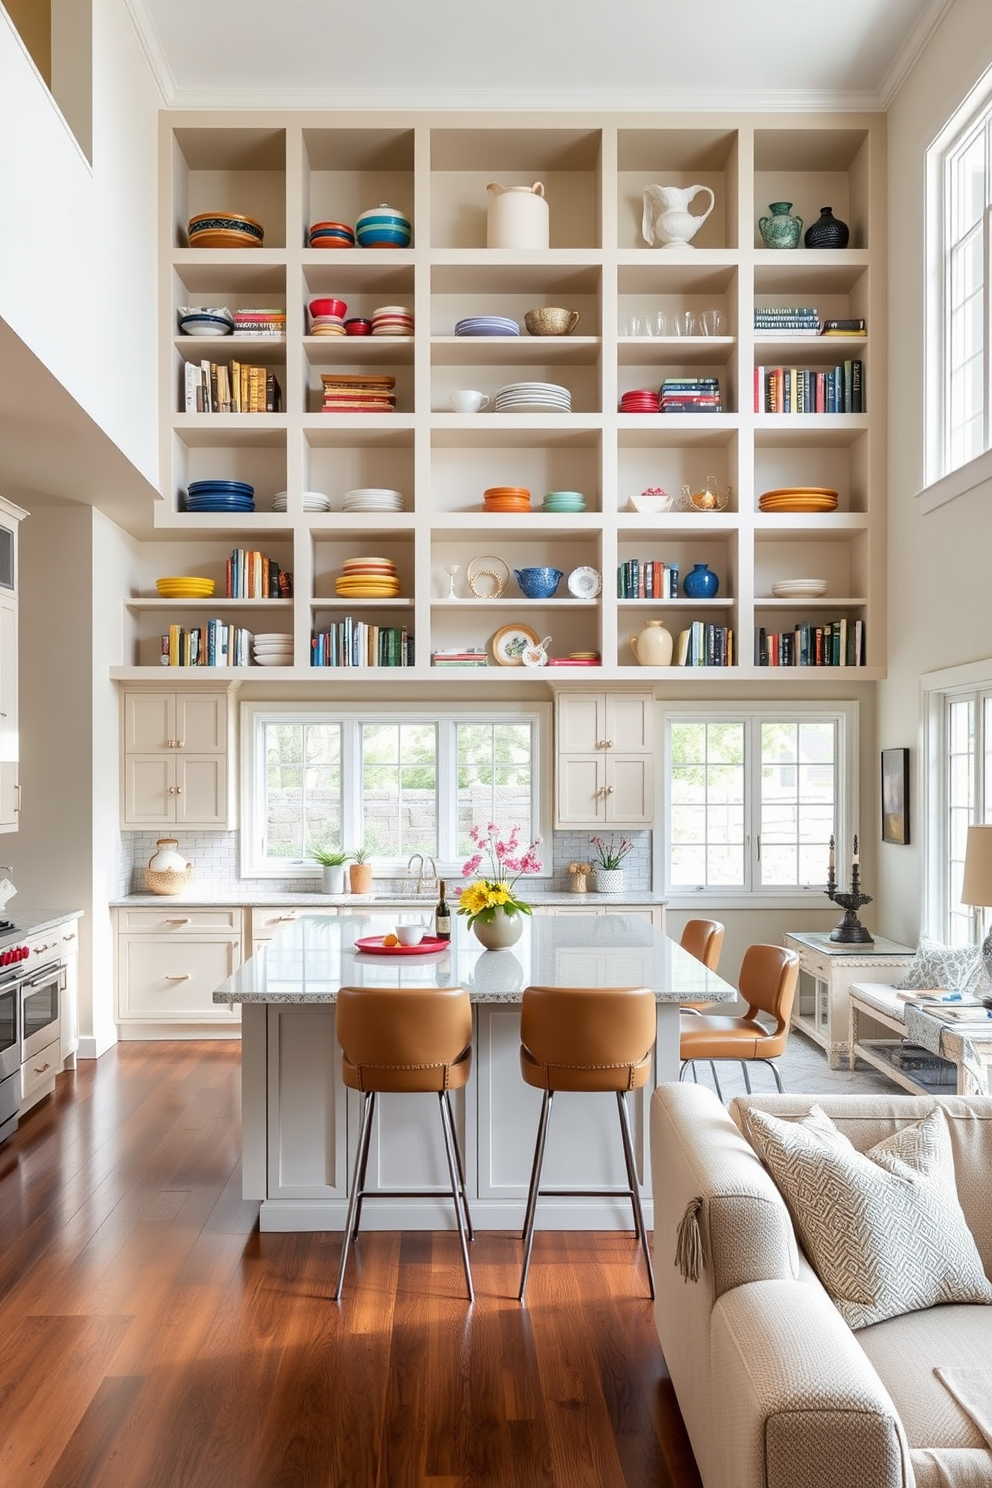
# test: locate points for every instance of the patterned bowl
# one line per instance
(538, 583)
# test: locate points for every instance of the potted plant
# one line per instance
(361, 870)
(608, 863)
(332, 863)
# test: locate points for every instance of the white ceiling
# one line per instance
(561, 54)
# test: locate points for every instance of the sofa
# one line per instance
(777, 1390)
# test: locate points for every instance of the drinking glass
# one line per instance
(661, 323)
(685, 323)
(712, 322)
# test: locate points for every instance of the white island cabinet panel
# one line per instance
(307, 1108)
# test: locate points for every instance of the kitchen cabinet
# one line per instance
(168, 963)
(267, 921)
(69, 1011)
(605, 760)
(10, 790)
(177, 767)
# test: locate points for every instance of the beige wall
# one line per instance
(939, 610)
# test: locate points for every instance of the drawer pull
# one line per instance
(70, 936)
(39, 1069)
(177, 976)
(181, 921)
(286, 917)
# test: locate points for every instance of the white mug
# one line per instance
(466, 400)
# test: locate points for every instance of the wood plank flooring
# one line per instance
(151, 1337)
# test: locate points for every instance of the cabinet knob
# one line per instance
(609, 790)
(177, 976)
(609, 743)
(180, 743)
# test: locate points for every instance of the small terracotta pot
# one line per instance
(360, 875)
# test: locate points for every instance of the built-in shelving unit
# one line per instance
(290, 170)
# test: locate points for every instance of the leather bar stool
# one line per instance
(768, 979)
(704, 940)
(586, 1039)
(403, 1041)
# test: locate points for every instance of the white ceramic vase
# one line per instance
(608, 880)
(501, 931)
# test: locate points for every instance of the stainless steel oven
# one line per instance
(10, 1057)
(41, 999)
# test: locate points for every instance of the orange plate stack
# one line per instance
(506, 499)
(368, 578)
(350, 392)
(798, 499)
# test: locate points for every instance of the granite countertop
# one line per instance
(313, 957)
(29, 920)
(247, 896)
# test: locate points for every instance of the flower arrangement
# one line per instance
(506, 864)
(610, 855)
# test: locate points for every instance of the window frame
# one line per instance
(351, 716)
(846, 716)
(972, 681)
(942, 480)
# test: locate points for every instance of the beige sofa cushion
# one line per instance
(884, 1228)
(905, 1352)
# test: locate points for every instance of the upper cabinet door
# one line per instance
(581, 722)
(149, 722)
(201, 722)
(629, 717)
(9, 750)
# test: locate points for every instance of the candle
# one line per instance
(830, 855)
(856, 860)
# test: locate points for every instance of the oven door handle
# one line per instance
(43, 981)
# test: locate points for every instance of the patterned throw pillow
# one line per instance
(936, 966)
(883, 1229)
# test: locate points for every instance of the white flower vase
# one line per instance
(608, 880)
(501, 931)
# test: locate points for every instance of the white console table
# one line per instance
(826, 970)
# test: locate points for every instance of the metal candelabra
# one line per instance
(850, 931)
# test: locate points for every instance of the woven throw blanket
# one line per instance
(923, 1028)
(971, 1386)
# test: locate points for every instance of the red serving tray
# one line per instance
(372, 944)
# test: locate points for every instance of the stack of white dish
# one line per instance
(313, 501)
(799, 588)
(486, 325)
(533, 397)
(272, 648)
(373, 498)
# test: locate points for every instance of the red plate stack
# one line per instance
(640, 400)
(506, 499)
(349, 392)
(392, 320)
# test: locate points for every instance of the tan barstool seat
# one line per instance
(586, 1039)
(400, 1040)
(768, 979)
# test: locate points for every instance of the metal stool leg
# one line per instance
(351, 1216)
(461, 1167)
(453, 1166)
(747, 1077)
(535, 1185)
(687, 1064)
(365, 1143)
(716, 1079)
(778, 1078)
(635, 1197)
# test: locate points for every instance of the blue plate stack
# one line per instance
(220, 496)
(486, 325)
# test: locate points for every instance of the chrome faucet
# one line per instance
(419, 857)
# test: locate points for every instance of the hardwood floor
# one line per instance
(152, 1338)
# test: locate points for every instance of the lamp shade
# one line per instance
(977, 885)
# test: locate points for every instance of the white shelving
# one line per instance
(288, 170)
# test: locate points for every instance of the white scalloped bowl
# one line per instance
(648, 504)
(799, 588)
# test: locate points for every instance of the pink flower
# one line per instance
(471, 866)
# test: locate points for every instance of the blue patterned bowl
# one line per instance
(383, 226)
(538, 583)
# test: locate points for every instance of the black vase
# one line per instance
(827, 231)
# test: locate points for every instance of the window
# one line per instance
(396, 782)
(754, 796)
(959, 211)
(958, 772)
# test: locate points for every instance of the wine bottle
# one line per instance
(442, 914)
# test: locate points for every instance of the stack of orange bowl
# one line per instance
(188, 586)
(799, 499)
(368, 578)
(506, 499)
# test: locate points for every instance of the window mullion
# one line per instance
(447, 792)
(352, 809)
(752, 803)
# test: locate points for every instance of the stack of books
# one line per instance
(690, 395)
(460, 656)
(250, 575)
(835, 643)
(215, 644)
(270, 324)
(212, 387)
(647, 578)
(783, 322)
(355, 643)
(703, 644)
(804, 390)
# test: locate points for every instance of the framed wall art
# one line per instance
(895, 795)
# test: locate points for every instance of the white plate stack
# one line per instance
(313, 501)
(799, 588)
(272, 648)
(373, 498)
(533, 397)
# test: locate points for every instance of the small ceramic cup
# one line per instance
(409, 935)
(467, 400)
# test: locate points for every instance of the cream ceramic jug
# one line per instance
(518, 217)
(666, 218)
(653, 647)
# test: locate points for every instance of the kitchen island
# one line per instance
(300, 1123)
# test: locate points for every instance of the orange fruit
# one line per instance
(390, 940)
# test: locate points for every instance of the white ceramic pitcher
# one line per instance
(666, 218)
(518, 217)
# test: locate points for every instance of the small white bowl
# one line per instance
(409, 935)
(650, 503)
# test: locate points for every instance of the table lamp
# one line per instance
(976, 888)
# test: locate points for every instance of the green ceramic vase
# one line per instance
(780, 230)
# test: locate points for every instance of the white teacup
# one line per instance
(467, 400)
(409, 935)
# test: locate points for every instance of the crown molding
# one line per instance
(152, 50)
(911, 50)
